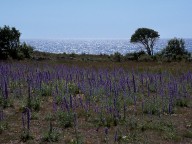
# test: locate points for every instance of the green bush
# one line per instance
(25, 136)
(65, 119)
(35, 104)
(134, 55)
(73, 88)
(3, 126)
(175, 51)
(117, 57)
(146, 58)
(26, 50)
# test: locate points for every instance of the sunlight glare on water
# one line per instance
(91, 46)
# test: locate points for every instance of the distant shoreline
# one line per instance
(93, 46)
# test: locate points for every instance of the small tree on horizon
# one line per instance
(175, 50)
(147, 37)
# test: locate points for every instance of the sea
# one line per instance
(95, 46)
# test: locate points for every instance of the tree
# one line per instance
(146, 37)
(10, 44)
(9, 41)
(175, 50)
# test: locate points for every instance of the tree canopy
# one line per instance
(10, 44)
(147, 37)
(9, 41)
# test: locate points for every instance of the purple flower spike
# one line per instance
(75, 119)
(1, 115)
(66, 104)
(106, 131)
(116, 137)
(23, 119)
(71, 102)
(134, 84)
(26, 116)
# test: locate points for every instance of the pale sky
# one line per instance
(57, 19)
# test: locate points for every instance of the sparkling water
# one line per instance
(95, 46)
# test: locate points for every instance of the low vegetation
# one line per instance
(78, 102)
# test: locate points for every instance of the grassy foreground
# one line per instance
(88, 102)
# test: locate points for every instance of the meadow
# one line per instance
(95, 102)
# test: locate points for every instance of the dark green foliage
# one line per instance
(25, 136)
(145, 58)
(46, 89)
(6, 103)
(29, 103)
(73, 88)
(175, 50)
(72, 55)
(117, 57)
(59, 99)
(51, 135)
(134, 55)
(182, 102)
(25, 51)
(65, 119)
(10, 44)
(167, 129)
(133, 123)
(35, 104)
(188, 134)
(3, 126)
(152, 108)
(147, 37)
(109, 121)
(50, 117)
(34, 116)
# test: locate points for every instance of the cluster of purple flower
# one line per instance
(106, 92)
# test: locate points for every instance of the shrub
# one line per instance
(26, 50)
(52, 135)
(65, 119)
(73, 88)
(35, 104)
(25, 136)
(134, 55)
(175, 50)
(146, 58)
(117, 57)
(72, 55)
(3, 126)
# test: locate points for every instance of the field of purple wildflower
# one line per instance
(92, 103)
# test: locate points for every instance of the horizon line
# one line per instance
(89, 38)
